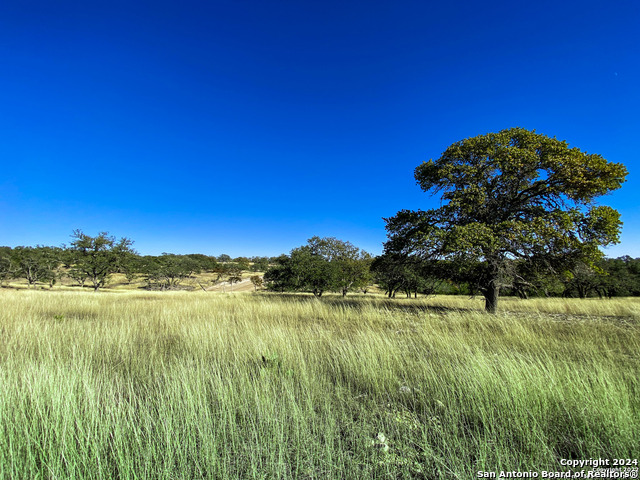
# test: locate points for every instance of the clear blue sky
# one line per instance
(246, 127)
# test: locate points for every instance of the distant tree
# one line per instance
(323, 264)
(368, 279)
(611, 277)
(131, 266)
(219, 271)
(311, 271)
(582, 281)
(390, 272)
(403, 273)
(204, 262)
(234, 273)
(7, 264)
(348, 265)
(29, 264)
(242, 262)
(302, 270)
(280, 276)
(37, 264)
(53, 260)
(78, 275)
(509, 195)
(620, 277)
(98, 257)
(224, 258)
(168, 271)
(257, 281)
(260, 264)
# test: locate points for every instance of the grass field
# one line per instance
(182, 385)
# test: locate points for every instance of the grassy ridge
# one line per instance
(196, 385)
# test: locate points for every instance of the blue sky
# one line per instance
(246, 127)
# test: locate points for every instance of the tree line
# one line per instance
(413, 275)
(518, 215)
(90, 261)
(322, 265)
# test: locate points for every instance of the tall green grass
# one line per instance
(182, 385)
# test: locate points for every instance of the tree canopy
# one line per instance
(323, 264)
(98, 257)
(515, 194)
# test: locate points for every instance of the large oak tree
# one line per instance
(515, 194)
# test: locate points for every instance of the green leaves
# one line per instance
(511, 194)
(324, 264)
(520, 166)
(98, 257)
(35, 264)
(169, 270)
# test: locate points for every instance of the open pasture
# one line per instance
(183, 385)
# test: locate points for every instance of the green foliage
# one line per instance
(410, 274)
(312, 272)
(219, 270)
(234, 273)
(260, 264)
(242, 263)
(95, 258)
(611, 277)
(324, 264)
(37, 264)
(131, 265)
(257, 281)
(7, 264)
(281, 277)
(621, 277)
(204, 262)
(348, 265)
(514, 194)
(169, 270)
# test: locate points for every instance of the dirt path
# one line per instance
(243, 286)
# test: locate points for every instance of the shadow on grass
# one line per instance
(358, 303)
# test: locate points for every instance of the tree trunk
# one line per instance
(491, 293)
(521, 290)
(582, 291)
